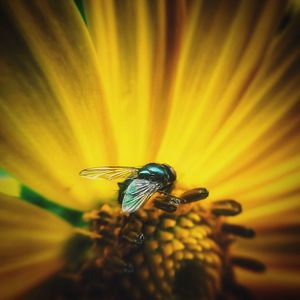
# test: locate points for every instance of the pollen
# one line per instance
(157, 255)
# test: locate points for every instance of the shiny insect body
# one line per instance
(160, 178)
(140, 183)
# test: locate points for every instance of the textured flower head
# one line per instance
(209, 87)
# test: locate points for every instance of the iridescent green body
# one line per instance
(162, 177)
(140, 183)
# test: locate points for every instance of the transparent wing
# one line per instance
(137, 193)
(109, 173)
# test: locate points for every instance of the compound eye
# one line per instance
(172, 171)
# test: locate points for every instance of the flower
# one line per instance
(211, 88)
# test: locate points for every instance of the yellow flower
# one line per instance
(209, 87)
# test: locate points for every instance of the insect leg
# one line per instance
(118, 265)
(134, 238)
(167, 202)
(128, 235)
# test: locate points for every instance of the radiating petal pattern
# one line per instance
(278, 246)
(138, 45)
(221, 98)
(32, 241)
(233, 121)
(220, 82)
(276, 284)
(209, 87)
(53, 116)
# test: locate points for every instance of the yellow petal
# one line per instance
(223, 108)
(274, 284)
(124, 37)
(32, 242)
(277, 245)
(201, 81)
(54, 120)
(278, 250)
(9, 186)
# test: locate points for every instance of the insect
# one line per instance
(141, 183)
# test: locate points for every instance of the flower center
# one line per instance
(152, 254)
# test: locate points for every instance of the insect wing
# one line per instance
(137, 193)
(109, 173)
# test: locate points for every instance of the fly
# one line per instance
(141, 184)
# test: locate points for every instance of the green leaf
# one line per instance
(73, 216)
